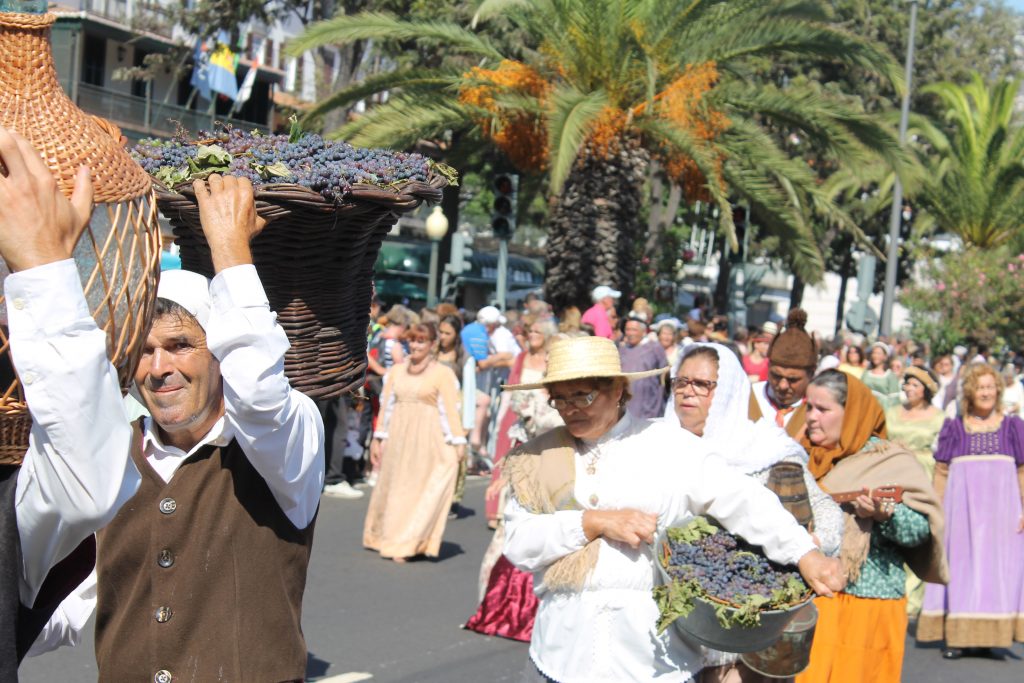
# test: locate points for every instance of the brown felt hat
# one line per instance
(794, 348)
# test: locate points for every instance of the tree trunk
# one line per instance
(796, 295)
(662, 212)
(844, 275)
(721, 296)
(593, 227)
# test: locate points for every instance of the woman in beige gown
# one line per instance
(420, 440)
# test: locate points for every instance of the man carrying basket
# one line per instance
(201, 573)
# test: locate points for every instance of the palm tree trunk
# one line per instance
(594, 226)
(796, 295)
(844, 276)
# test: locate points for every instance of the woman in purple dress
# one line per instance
(979, 474)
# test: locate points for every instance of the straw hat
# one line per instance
(583, 358)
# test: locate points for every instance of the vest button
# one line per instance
(163, 615)
(168, 505)
(165, 558)
(162, 676)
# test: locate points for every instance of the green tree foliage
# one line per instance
(954, 38)
(605, 85)
(974, 158)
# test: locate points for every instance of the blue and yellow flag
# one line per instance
(214, 69)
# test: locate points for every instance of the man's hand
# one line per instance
(628, 526)
(38, 225)
(228, 215)
(823, 574)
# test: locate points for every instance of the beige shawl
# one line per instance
(884, 463)
(542, 474)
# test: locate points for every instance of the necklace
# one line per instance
(592, 463)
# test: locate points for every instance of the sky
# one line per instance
(1016, 4)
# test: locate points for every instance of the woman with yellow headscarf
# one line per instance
(861, 632)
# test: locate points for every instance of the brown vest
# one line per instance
(795, 424)
(202, 578)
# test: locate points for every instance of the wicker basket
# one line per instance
(118, 256)
(315, 260)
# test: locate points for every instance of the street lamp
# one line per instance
(437, 228)
(897, 189)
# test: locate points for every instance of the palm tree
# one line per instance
(597, 89)
(974, 157)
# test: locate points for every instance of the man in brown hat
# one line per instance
(792, 358)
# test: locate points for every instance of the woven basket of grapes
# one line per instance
(329, 204)
(723, 592)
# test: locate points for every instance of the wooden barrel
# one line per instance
(786, 480)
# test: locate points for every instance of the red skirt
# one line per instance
(509, 605)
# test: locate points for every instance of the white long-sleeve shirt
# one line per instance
(607, 631)
(279, 429)
(77, 471)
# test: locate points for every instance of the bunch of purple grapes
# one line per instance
(727, 568)
(325, 166)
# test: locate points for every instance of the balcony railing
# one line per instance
(151, 16)
(148, 117)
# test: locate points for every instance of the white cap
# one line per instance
(601, 291)
(670, 322)
(489, 315)
(960, 350)
(189, 290)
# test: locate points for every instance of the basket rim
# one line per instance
(398, 193)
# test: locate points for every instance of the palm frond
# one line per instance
(571, 116)
(344, 29)
(403, 121)
(402, 80)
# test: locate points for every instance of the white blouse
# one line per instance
(608, 632)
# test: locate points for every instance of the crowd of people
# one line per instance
(775, 404)
(191, 515)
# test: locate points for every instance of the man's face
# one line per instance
(944, 366)
(179, 379)
(608, 302)
(634, 332)
(788, 385)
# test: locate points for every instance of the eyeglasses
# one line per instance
(578, 402)
(701, 387)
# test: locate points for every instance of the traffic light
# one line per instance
(503, 212)
(462, 253)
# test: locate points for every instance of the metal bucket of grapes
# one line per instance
(723, 593)
(791, 653)
(329, 204)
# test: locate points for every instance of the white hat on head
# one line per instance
(189, 290)
(668, 322)
(601, 291)
(489, 315)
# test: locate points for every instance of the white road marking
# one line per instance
(350, 677)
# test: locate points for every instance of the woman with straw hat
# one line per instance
(587, 501)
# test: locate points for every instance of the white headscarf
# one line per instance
(746, 445)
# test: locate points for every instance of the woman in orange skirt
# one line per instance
(861, 632)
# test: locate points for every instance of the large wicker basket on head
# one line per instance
(315, 260)
(118, 256)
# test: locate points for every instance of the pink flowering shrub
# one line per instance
(974, 295)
